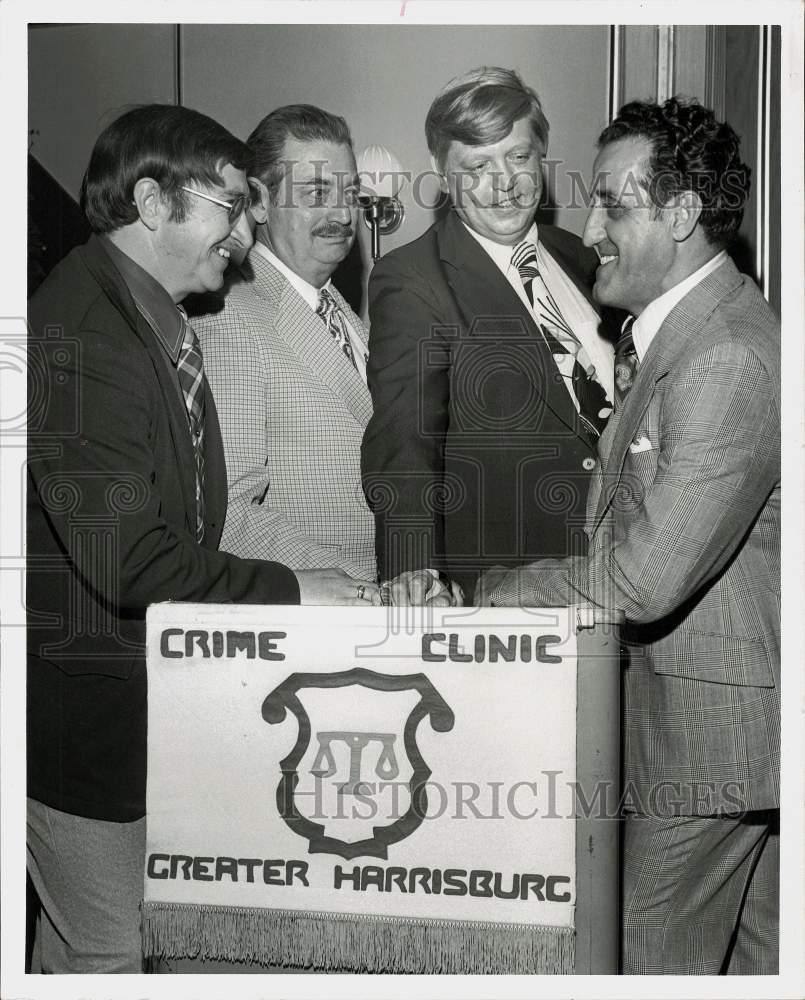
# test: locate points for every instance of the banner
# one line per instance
(341, 788)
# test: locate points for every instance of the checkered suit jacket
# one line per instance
(685, 537)
(292, 411)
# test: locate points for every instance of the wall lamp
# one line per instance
(380, 175)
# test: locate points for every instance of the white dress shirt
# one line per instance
(653, 316)
(577, 311)
(311, 296)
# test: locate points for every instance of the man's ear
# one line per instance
(151, 205)
(259, 205)
(440, 174)
(684, 212)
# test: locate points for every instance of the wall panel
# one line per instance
(383, 78)
(741, 111)
(80, 76)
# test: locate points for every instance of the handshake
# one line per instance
(414, 587)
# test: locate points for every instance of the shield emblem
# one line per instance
(355, 780)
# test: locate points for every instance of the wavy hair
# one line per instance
(480, 108)
(173, 145)
(304, 122)
(690, 151)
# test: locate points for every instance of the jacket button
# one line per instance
(588, 464)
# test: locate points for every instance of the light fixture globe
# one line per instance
(380, 176)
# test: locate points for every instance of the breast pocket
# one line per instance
(643, 451)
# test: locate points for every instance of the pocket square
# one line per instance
(639, 444)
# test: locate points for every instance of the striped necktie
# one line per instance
(190, 369)
(626, 363)
(594, 407)
(334, 320)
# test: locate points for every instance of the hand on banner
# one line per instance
(423, 586)
(487, 584)
(334, 586)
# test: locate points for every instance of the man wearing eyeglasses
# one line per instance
(286, 359)
(126, 502)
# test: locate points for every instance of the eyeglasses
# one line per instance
(234, 208)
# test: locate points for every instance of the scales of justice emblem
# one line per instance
(335, 789)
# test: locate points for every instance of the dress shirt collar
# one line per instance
(305, 289)
(311, 296)
(153, 302)
(501, 253)
(653, 316)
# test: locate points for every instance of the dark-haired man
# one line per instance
(490, 379)
(126, 501)
(286, 360)
(289, 383)
(684, 525)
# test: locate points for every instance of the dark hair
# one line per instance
(304, 122)
(690, 151)
(173, 145)
(480, 108)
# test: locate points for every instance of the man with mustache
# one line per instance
(126, 500)
(490, 379)
(286, 357)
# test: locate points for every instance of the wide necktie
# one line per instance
(594, 407)
(626, 362)
(335, 322)
(190, 369)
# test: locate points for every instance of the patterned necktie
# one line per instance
(334, 321)
(594, 407)
(626, 363)
(190, 369)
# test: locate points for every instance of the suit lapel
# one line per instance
(173, 397)
(215, 489)
(109, 278)
(482, 292)
(677, 335)
(305, 334)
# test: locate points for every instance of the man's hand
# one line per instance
(423, 586)
(333, 586)
(487, 583)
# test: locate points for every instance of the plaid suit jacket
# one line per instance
(292, 411)
(684, 526)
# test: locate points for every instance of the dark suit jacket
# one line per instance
(684, 524)
(111, 529)
(475, 455)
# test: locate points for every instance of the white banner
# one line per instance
(329, 762)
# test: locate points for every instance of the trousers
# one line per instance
(88, 875)
(701, 894)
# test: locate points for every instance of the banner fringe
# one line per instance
(328, 941)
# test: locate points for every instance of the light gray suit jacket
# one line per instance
(684, 526)
(292, 411)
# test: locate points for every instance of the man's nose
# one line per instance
(243, 231)
(342, 212)
(504, 175)
(594, 227)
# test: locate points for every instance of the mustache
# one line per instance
(334, 229)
